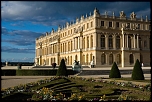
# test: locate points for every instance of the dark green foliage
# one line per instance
(137, 73)
(114, 72)
(62, 70)
(31, 72)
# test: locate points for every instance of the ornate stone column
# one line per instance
(137, 41)
(73, 43)
(134, 41)
(106, 41)
(95, 40)
(123, 45)
(127, 40)
(114, 41)
(80, 42)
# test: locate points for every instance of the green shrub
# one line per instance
(137, 73)
(62, 70)
(114, 72)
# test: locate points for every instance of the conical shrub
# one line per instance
(114, 72)
(62, 70)
(137, 73)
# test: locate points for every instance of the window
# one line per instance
(102, 23)
(103, 59)
(87, 25)
(117, 42)
(118, 59)
(87, 42)
(102, 42)
(84, 27)
(131, 59)
(129, 41)
(84, 43)
(149, 27)
(128, 25)
(140, 42)
(117, 24)
(110, 42)
(91, 41)
(110, 24)
(111, 59)
(91, 24)
(145, 44)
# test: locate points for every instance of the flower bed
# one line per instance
(50, 94)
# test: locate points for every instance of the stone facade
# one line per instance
(101, 38)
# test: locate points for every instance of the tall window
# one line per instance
(88, 42)
(102, 41)
(110, 42)
(150, 27)
(128, 25)
(117, 42)
(145, 44)
(91, 41)
(84, 43)
(91, 24)
(140, 42)
(103, 59)
(117, 24)
(87, 25)
(110, 24)
(111, 59)
(129, 41)
(131, 59)
(118, 59)
(102, 23)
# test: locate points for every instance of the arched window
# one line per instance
(118, 59)
(103, 59)
(76, 58)
(102, 42)
(129, 41)
(111, 59)
(131, 59)
(110, 42)
(118, 42)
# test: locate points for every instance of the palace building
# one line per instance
(103, 39)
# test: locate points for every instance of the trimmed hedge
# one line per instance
(62, 70)
(8, 72)
(29, 72)
(114, 72)
(137, 73)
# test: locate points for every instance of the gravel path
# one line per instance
(10, 81)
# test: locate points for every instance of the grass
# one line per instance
(129, 79)
(91, 89)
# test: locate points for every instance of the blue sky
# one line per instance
(23, 21)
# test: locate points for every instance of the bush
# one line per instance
(137, 73)
(114, 72)
(62, 70)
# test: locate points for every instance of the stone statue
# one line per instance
(122, 14)
(76, 66)
(132, 15)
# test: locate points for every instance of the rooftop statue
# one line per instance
(132, 15)
(122, 14)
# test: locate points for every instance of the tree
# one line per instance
(114, 72)
(62, 70)
(137, 73)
